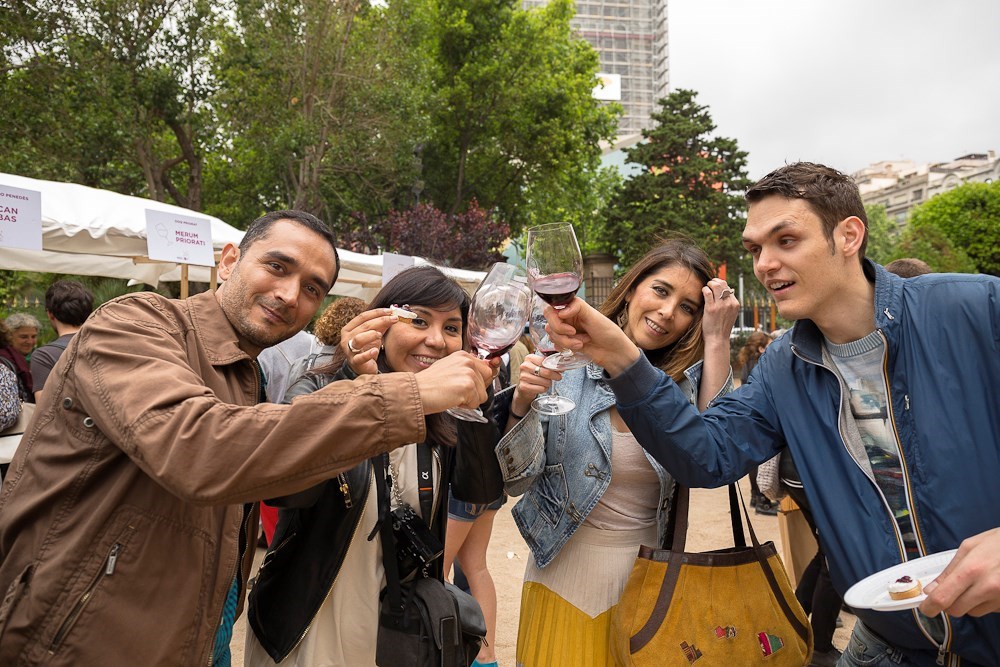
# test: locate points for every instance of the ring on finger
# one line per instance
(725, 293)
(537, 371)
(350, 346)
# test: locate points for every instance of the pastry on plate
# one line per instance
(904, 588)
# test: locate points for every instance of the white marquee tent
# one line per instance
(93, 232)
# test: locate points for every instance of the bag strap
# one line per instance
(389, 562)
(676, 537)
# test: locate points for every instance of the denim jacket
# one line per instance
(562, 464)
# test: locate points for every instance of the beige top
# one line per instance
(632, 497)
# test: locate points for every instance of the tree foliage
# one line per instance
(968, 217)
(109, 93)
(471, 239)
(691, 183)
(931, 245)
(883, 234)
(513, 121)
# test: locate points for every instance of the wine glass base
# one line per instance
(549, 404)
(465, 414)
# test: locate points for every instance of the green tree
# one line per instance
(319, 105)
(109, 93)
(513, 121)
(883, 235)
(691, 183)
(931, 245)
(969, 217)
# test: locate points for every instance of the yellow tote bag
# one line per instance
(733, 607)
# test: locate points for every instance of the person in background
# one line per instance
(591, 494)
(276, 362)
(14, 360)
(328, 328)
(908, 267)
(10, 409)
(885, 393)
(130, 505)
(24, 329)
(316, 598)
(755, 345)
(68, 304)
(522, 348)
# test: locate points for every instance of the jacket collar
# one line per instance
(806, 336)
(214, 330)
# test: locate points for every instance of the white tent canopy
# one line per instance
(93, 232)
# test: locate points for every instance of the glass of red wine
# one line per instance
(497, 315)
(555, 271)
(551, 404)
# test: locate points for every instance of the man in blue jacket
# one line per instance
(885, 393)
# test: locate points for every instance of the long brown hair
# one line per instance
(751, 350)
(673, 359)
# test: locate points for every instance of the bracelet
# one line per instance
(515, 415)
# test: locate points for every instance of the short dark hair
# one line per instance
(831, 195)
(259, 228)
(69, 302)
(908, 267)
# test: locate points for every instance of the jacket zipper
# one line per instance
(345, 489)
(910, 505)
(106, 571)
(371, 483)
(942, 647)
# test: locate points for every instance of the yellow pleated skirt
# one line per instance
(566, 606)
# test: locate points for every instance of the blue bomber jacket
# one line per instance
(942, 366)
(562, 464)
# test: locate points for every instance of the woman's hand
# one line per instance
(721, 310)
(361, 339)
(535, 379)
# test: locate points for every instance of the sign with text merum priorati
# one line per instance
(172, 237)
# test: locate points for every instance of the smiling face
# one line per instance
(663, 306)
(23, 339)
(432, 335)
(273, 289)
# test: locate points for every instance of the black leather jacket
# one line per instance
(317, 527)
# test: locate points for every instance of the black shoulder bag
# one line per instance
(424, 622)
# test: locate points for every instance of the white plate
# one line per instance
(873, 592)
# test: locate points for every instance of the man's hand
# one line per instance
(971, 582)
(579, 326)
(361, 338)
(460, 379)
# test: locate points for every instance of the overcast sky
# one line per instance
(845, 82)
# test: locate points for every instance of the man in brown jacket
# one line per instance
(127, 519)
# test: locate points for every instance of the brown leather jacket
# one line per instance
(122, 520)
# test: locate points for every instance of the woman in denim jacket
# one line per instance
(591, 494)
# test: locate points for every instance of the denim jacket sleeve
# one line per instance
(521, 453)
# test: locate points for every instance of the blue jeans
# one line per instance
(463, 511)
(866, 649)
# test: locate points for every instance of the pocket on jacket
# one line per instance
(13, 595)
(550, 493)
(140, 567)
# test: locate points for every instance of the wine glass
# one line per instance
(551, 404)
(555, 265)
(499, 310)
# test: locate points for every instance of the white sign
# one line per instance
(179, 238)
(609, 87)
(20, 218)
(393, 264)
